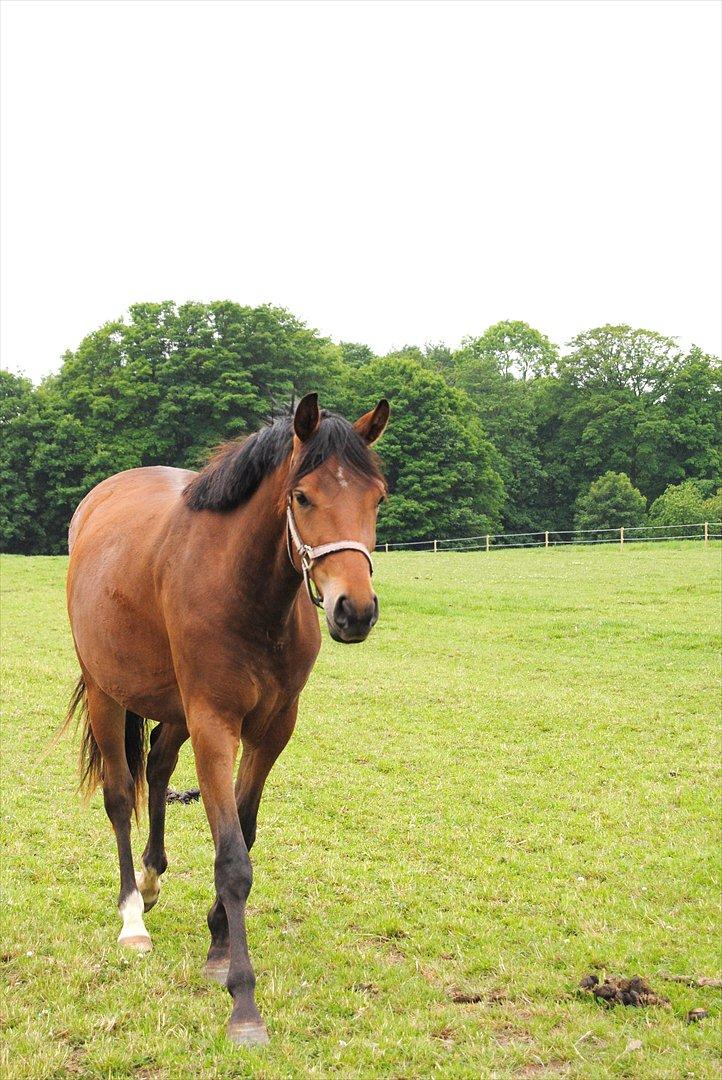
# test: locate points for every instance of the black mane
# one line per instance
(237, 468)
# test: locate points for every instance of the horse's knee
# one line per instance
(233, 872)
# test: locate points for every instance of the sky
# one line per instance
(391, 172)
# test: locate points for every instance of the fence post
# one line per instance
(546, 539)
(621, 537)
(387, 549)
(487, 541)
(435, 547)
(706, 533)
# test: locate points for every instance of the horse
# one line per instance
(192, 600)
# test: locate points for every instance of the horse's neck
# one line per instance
(257, 546)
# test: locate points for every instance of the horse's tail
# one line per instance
(136, 749)
(91, 760)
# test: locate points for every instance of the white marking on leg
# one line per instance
(148, 882)
(131, 912)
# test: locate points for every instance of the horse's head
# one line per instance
(335, 489)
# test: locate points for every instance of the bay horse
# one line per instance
(191, 600)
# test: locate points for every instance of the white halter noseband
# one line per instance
(309, 555)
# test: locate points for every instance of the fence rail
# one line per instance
(702, 530)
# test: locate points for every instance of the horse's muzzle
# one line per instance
(350, 624)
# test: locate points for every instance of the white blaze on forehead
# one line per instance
(341, 477)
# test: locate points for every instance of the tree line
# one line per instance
(506, 433)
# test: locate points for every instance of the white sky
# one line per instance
(391, 172)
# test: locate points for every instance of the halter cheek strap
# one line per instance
(309, 555)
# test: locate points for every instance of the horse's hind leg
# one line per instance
(165, 743)
(107, 721)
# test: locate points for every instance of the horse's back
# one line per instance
(145, 495)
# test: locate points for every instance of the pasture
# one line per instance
(511, 784)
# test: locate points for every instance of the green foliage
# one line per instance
(19, 425)
(495, 370)
(503, 433)
(713, 507)
(685, 504)
(626, 400)
(438, 463)
(514, 348)
(162, 387)
(611, 501)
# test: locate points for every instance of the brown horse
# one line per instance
(187, 604)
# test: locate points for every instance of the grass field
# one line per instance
(512, 783)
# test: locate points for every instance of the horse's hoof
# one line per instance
(138, 942)
(217, 970)
(148, 904)
(251, 1033)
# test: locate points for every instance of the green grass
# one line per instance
(512, 783)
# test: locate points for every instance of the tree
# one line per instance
(515, 348)
(19, 427)
(609, 408)
(496, 372)
(610, 502)
(692, 408)
(503, 432)
(170, 382)
(679, 504)
(713, 507)
(355, 354)
(439, 465)
(621, 358)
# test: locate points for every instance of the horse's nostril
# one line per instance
(342, 612)
(347, 616)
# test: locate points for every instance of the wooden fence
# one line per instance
(704, 531)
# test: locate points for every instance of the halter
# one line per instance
(309, 555)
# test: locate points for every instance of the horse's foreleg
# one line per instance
(215, 746)
(107, 723)
(165, 743)
(256, 764)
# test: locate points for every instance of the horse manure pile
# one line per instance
(616, 991)
(185, 797)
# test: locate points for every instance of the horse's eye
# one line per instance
(302, 499)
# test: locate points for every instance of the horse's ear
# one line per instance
(371, 425)
(307, 417)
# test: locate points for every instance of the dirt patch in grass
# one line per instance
(556, 1067)
(477, 997)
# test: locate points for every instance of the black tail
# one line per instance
(136, 749)
(91, 761)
